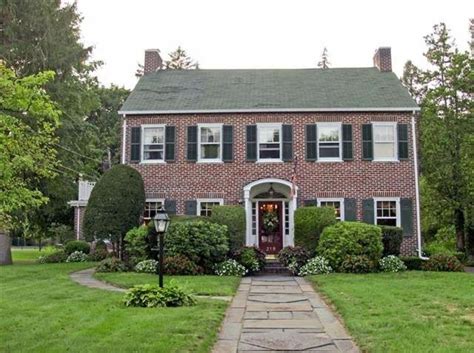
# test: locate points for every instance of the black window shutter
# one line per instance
(368, 211)
(191, 154)
(402, 132)
(347, 153)
(190, 208)
(406, 217)
(287, 140)
(251, 139)
(227, 143)
(350, 210)
(170, 143)
(367, 142)
(170, 206)
(135, 144)
(311, 143)
(310, 202)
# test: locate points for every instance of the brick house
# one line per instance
(210, 137)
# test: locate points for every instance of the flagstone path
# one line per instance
(280, 313)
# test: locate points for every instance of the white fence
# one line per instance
(85, 188)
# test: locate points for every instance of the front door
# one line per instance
(270, 226)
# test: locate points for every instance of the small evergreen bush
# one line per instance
(357, 264)
(180, 265)
(234, 218)
(77, 256)
(111, 264)
(442, 262)
(77, 245)
(146, 266)
(392, 238)
(316, 266)
(392, 263)
(309, 224)
(230, 268)
(252, 258)
(297, 256)
(55, 257)
(152, 296)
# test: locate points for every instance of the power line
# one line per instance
(77, 153)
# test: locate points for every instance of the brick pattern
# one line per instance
(153, 61)
(383, 59)
(184, 180)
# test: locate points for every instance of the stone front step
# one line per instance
(273, 266)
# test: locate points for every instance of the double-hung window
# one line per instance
(210, 143)
(329, 142)
(387, 211)
(153, 146)
(269, 142)
(204, 206)
(336, 203)
(151, 207)
(385, 141)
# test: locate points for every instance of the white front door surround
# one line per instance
(253, 189)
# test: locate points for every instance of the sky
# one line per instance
(230, 34)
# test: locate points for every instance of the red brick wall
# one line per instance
(184, 180)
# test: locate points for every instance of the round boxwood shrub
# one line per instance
(357, 264)
(115, 205)
(55, 257)
(442, 262)
(204, 243)
(180, 265)
(350, 238)
(392, 238)
(309, 224)
(234, 218)
(77, 245)
(111, 264)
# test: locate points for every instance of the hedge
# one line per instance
(309, 223)
(234, 218)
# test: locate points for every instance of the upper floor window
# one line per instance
(210, 142)
(385, 141)
(329, 142)
(387, 212)
(337, 204)
(153, 145)
(204, 206)
(269, 142)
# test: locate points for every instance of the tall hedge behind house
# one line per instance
(234, 218)
(309, 224)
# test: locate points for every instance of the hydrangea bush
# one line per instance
(77, 256)
(230, 268)
(316, 266)
(147, 266)
(392, 263)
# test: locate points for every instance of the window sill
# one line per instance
(385, 160)
(153, 162)
(329, 161)
(262, 161)
(202, 161)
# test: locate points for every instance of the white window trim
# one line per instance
(333, 199)
(395, 140)
(329, 159)
(199, 201)
(208, 160)
(142, 144)
(154, 200)
(396, 199)
(269, 125)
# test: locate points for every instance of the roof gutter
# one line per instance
(268, 110)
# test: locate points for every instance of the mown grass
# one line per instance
(405, 312)
(29, 255)
(42, 310)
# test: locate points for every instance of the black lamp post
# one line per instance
(161, 222)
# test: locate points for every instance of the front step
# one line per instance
(274, 266)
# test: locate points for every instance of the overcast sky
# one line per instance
(264, 33)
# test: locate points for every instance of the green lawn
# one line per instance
(407, 312)
(28, 255)
(42, 310)
(200, 285)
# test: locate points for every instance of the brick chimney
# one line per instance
(383, 59)
(153, 61)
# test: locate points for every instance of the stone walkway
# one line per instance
(280, 313)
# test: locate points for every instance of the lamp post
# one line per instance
(161, 222)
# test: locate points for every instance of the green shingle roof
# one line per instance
(175, 91)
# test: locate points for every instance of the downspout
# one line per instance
(417, 187)
(124, 138)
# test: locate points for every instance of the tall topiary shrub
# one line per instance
(392, 238)
(234, 218)
(350, 238)
(115, 205)
(309, 224)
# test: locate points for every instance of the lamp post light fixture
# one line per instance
(161, 222)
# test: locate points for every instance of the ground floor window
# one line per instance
(204, 206)
(151, 207)
(337, 204)
(387, 212)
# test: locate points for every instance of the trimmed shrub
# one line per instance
(77, 256)
(350, 238)
(55, 257)
(316, 266)
(234, 218)
(230, 268)
(99, 254)
(252, 258)
(111, 264)
(77, 245)
(392, 238)
(357, 264)
(180, 265)
(392, 263)
(115, 205)
(136, 244)
(147, 266)
(309, 224)
(295, 255)
(152, 296)
(441, 262)
(412, 262)
(204, 243)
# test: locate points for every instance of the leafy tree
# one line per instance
(324, 63)
(28, 120)
(179, 60)
(115, 205)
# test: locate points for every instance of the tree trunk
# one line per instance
(5, 248)
(459, 225)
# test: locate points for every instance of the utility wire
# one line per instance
(77, 153)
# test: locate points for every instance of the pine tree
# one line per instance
(324, 63)
(179, 60)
